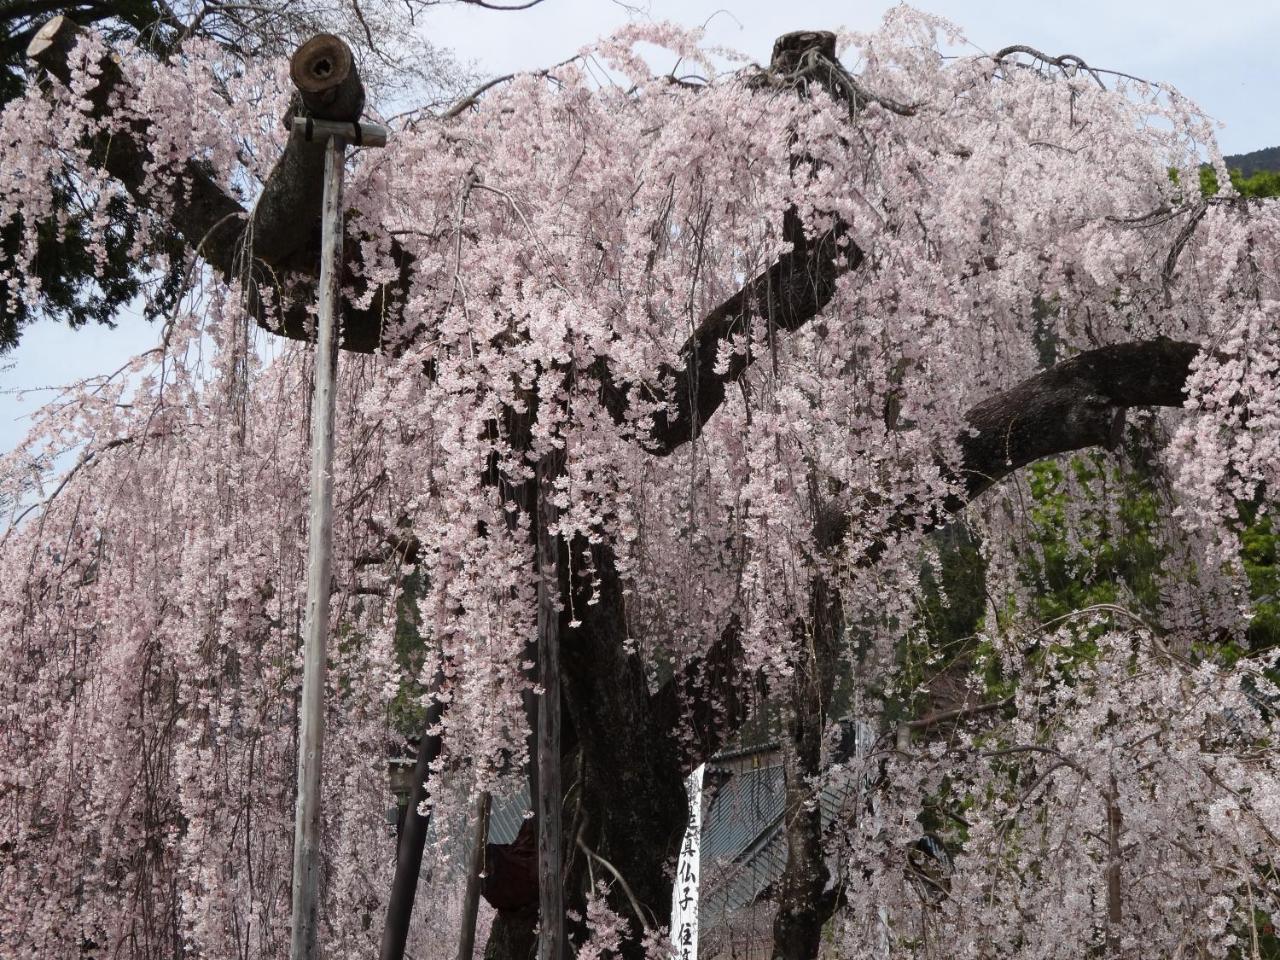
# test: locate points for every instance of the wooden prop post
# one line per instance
(404, 885)
(327, 82)
(548, 799)
(475, 866)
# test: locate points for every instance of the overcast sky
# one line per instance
(1223, 55)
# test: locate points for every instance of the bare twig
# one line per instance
(84, 461)
(942, 716)
(494, 6)
(1171, 262)
(626, 888)
(471, 99)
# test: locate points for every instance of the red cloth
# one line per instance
(511, 870)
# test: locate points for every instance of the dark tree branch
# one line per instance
(207, 218)
(286, 219)
(264, 248)
(789, 294)
(34, 8)
(471, 99)
(496, 6)
(1075, 404)
(958, 713)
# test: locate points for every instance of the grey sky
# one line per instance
(1223, 55)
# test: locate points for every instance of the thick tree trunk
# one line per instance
(802, 909)
(797, 928)
(626, 803)
(634, 807)
(512, 936)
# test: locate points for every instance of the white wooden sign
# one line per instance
(684, 900)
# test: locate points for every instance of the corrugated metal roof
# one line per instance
(506, 815)
(741, 836)
(744, 806)
(744, 848)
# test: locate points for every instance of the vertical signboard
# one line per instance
(684, 906)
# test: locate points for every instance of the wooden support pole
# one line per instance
(360, 134)
(306, 836)
(404, 886)
(475, 866)
(551, 940)
(305, 941)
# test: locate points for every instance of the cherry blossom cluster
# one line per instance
(568, 235)
(1125, 799)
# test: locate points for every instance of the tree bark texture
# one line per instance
(1074, 404)
(1115, 859)
(802, 912)
(475, 866)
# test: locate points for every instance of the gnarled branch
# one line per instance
(1074, 405)
(262, 248)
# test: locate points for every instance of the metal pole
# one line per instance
(306, 833)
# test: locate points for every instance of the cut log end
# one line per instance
(325, 74)
(789, 48)
(321, 64)
(57, 34)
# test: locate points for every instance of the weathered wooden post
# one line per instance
(404, 885)
(547, 802)
(475, 865)
(331, 92)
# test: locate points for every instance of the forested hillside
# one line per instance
(1267, 159)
